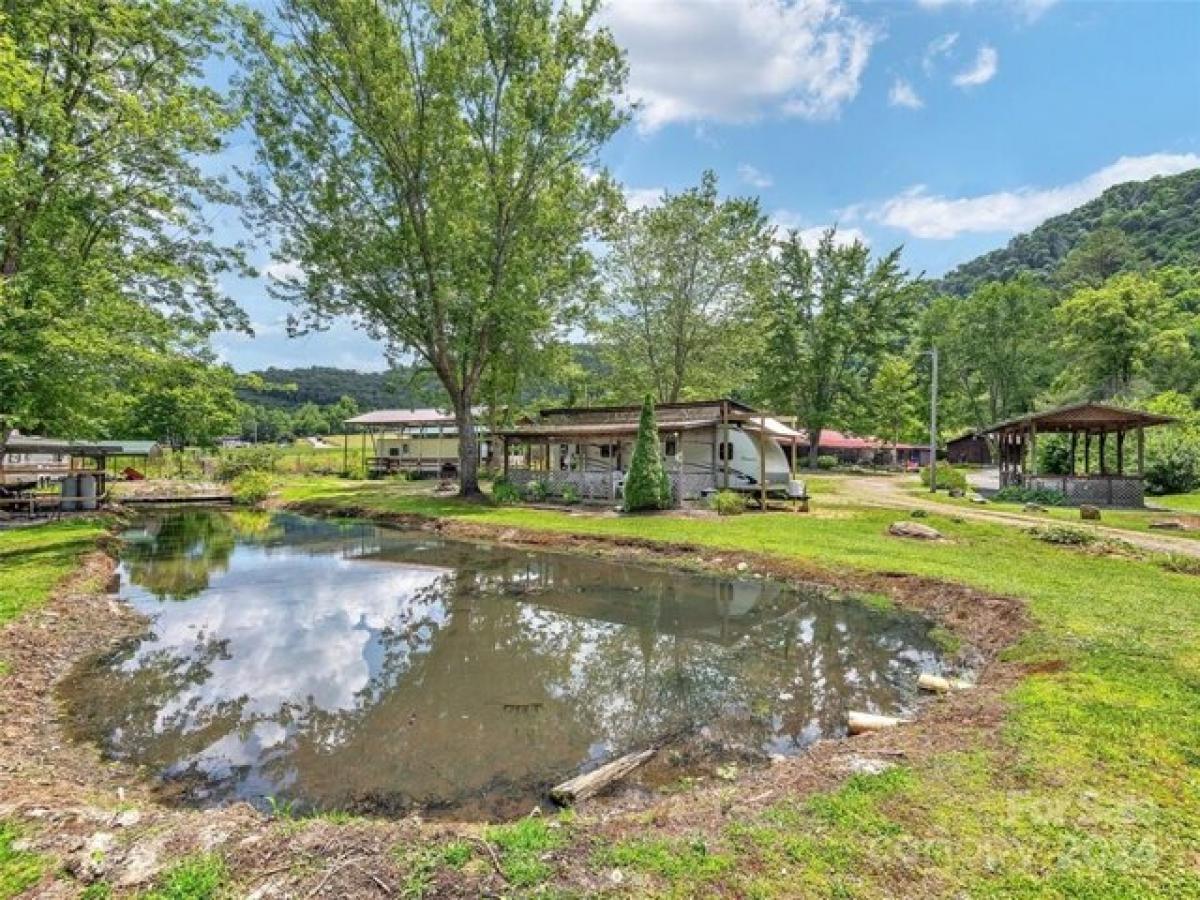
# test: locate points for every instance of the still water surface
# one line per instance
(337, 665)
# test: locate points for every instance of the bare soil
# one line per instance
(73, 802)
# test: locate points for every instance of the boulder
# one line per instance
(976, 498)
(1089, 513)
(914, 530)
(956, 492)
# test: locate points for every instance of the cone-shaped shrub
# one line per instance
(644, 483)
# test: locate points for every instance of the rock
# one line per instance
(1167, 524)
(1034, 508)
(976, 498)
(92, 862)
(743, 566)
(142, 863)
(868, 765)
(1089, 513)
(616, 876)
(127, 819)
(956, 492)
(914, 530)
(918, 514)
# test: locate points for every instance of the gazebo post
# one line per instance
(1074, 445)
(1121, 452)
(1087, 453)
(1033, 448)
(1103, 441)
(1141, 451)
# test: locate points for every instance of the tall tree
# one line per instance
(103, 119)
(1097, 258)
(427, 169)
(681, 278)
(997, 351)
(891, 401)
(831, 316)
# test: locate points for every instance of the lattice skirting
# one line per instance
(599, 485)
(1101, 491)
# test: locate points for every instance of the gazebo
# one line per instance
(1095, 423)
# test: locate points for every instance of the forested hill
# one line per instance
(1160, 218)
(324, 385)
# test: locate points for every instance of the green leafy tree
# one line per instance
(190, 404)
(1104, 253)
(891, 401)
(426, 165)
(682, 278)
(830, 318)
(647, 485)
(1113, 334)
(997, 349)
(105, 258)
(310, 420)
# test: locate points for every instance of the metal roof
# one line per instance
(129, 448)
(28, 443)
(1088, 416)
(404, 417)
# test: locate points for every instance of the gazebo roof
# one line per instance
(1088, 416)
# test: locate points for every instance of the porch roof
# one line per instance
(1081, 417)
(600, 430)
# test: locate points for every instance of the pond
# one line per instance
(336, 665)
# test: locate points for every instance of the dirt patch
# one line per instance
(73, 802)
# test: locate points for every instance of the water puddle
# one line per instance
(334, 665)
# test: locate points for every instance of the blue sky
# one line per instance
(943, 125)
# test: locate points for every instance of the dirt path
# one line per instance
(891, 493)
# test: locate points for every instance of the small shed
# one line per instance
(1088, 424)
(971, 448)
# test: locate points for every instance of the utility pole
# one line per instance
(933, 441)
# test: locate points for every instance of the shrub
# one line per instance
(505, 492)
(570, 493)
(536, 491)
(251, 487)
(1054, 455)
(1174, 469)
(728, 503)
(233, 463)
(1042, 496)
(644, 483)
(827, 462)
(1064, 535)
(948, 477)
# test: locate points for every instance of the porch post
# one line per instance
(1103, 441)
(1121, 452)
(504, 450)
(1074, 444)
(725, 444)
(762, 461)
(1033, 466)
(679, 466)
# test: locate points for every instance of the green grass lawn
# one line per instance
(1182, 502)
(1099, 792)
(33, 560)
(1126, 519)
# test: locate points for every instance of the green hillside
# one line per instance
(1160, 219)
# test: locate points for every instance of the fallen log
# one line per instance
(859, 722)
(591, 783)
(940, 685)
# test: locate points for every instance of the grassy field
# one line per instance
(1126, 519)
(34, 560)
(1097, 792)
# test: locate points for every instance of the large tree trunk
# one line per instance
(814, 446)
(468, 448)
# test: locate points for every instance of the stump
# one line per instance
(939, 685)
(1089, 513)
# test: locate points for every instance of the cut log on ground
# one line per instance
(940, 685)
(860, 722)
(591, 783)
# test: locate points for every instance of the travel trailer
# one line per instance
(707, 446)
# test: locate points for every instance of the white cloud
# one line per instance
(810, 235)
(286, 270)
(926, 215)
(754, 177)
(903, 94)
(983, 70)
(640, 198)
(738, 60)
(938, 48)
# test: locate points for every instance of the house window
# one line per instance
(393, 451)
(605, 451)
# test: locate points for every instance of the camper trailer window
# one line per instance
(725, 450)
(393, 451)
(670, 448)
(605, 451)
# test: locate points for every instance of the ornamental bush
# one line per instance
(728, 503)
(1042, 496)
(646, 479)
(1173, 469)
(505, 492)
(570, 493)
(250, 488)
(947, 477)
(827, 462)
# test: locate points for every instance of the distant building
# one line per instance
(969, 449)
